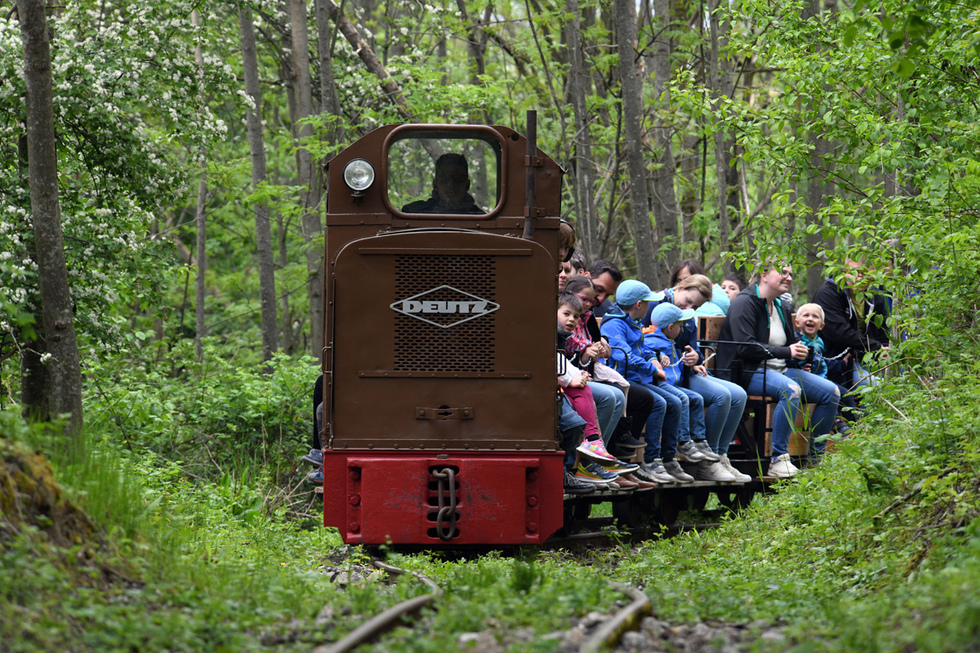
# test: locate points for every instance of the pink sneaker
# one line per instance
(595, 449)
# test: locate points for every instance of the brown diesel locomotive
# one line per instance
(439, 335)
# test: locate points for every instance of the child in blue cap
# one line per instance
(668, 318)
(621, 326)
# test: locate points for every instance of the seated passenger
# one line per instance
(724, 401)
(621, 326)
(606, 278)
(315, 456)
(684, 269)
(732, 284)
(852, 326)
(757, 342)
(450, 189)
(584, 352)
(573, 267)
(603, 469)
(585, 346)
(809, 320)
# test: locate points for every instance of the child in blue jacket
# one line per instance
(621, 327)
(668, 321)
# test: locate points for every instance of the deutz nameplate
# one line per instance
(445, 306)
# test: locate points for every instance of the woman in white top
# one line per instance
(762, 355)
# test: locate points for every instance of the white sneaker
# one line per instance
(783, 467)
(713, 471)
(739, 476)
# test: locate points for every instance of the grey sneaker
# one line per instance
(713, 471)
(576, 486)
(677, 472)
(705, 448)
(654, 472)
(315, 457)
(783, 467)
(739, 476)
(688, 452)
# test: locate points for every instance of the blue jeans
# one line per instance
(792, 387)
(861, 377)
(662, 427)
(572, 426)
(609, 404)
(692, 411)
(724, 403)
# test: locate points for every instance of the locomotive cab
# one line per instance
(439, 337)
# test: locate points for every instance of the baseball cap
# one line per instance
(632, 291)
(666, 314)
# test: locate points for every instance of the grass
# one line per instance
(876, 549)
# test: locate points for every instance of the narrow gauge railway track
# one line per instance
(606, 634)
(604, 532)
(384, 621)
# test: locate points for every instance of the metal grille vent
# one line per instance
(466, 347)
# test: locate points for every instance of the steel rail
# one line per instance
(609, 632)
(383, 621)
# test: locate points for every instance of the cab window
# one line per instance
(445, 176)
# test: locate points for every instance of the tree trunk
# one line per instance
(814, 188)
(726, 175)
(665, 210)
(263, 230)
(200, 219)
(582, 168)
(329, 100)
(307, 175)
(64, 375)
(646, 267)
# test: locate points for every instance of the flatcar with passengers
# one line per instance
(438, 358)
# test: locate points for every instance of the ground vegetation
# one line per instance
(821, 131)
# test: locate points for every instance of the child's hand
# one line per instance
(593, 351)
(700, 369)
(664, 361)
(580, 382)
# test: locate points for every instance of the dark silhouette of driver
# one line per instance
(450, 189)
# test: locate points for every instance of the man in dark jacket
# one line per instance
(850, 326)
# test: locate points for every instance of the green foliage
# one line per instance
(179, 567)
(216, 417)
(862, 551)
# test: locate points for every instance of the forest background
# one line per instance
(190, 135)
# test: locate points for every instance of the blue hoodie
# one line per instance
(689, 331)
(624, 332)
(655, 341)
(818, 366)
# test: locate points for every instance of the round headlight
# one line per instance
(359, 175)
